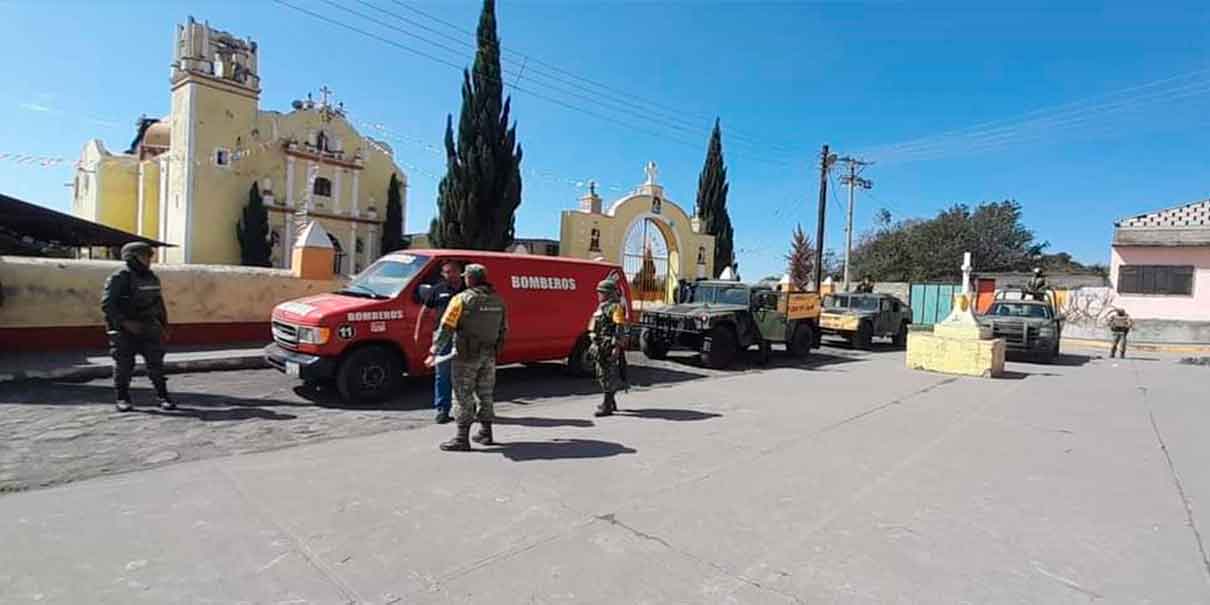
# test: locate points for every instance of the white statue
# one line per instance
(652, 172)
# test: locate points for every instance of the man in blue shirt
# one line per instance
(439, 298)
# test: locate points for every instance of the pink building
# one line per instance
(1160, 270)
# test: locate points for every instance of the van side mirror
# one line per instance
(423, 293)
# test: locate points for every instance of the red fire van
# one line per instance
(363, 337)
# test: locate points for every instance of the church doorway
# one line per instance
(649, 262)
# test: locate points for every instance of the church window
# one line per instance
(322, 187)
(222, 157)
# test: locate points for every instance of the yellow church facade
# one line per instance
(655, 241)
(186, 178)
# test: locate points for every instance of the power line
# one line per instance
(528, 91)
(1001, 132)
(628, 95)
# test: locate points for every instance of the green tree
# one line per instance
(392, 226)
(252, 231)
(921, 250)
(477, 199)
(801, 259)
(711, 204)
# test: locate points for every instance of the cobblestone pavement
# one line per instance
(56, 433)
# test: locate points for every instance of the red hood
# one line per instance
(312, 309)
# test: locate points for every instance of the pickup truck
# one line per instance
(1027, 326)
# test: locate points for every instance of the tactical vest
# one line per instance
(601, 325)
(1119, 323)
(482, 317)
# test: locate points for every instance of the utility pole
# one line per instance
(853, 181)
(825, 162)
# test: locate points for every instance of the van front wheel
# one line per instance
(369, 375)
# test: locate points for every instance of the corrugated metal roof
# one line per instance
(20, 219)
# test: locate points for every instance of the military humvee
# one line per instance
(722, 318)
(859, 318)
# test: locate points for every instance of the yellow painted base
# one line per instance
(962, 331)
(962, 356)
(313, 263)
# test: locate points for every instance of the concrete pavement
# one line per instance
(858, 482)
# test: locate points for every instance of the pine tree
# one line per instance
(801, 259)
(644, 282)
(478, 198)
(252, 231)
(711, 204)
(392, 226)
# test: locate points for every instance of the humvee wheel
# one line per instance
(804, 339)
(652, 347)
(864, 336)
(719, 349)
(900, 339)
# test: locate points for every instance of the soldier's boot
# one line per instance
(484, 436)
(607, 406)
(123, 402)
(461, 441)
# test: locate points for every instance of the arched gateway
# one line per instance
(655, 241)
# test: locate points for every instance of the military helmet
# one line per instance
(135, 249)
(607, 286)
(1037, 270)
(475, 270)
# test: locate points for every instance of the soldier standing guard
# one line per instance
(606, 327)
(475, 321)
(1037, 285)
(1120, 324)
(136, 322)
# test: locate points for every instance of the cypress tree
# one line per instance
(800, 260)
(392, 226)
(478, 198)
(252, 231)
(711, 204)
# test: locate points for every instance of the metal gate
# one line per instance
(645, 261)
(931, 303)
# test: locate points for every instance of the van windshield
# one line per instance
(387, 277)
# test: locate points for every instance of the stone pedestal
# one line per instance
(957, 345)
(313, 253)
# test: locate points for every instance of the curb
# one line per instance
(1139, 346)
(84, 373)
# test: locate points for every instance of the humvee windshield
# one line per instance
(719, 294)
(858, 303)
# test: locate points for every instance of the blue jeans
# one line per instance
(443, 383)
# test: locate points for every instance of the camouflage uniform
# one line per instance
(1120, 324)
(475, 321)
(135, 320)
(1037, 285)
(606, 330)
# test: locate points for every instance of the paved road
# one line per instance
(56, 433)
(857, 482)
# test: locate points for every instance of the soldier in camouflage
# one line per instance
(136, 322)
(1119, 324)
(607, 348)
(475, 321)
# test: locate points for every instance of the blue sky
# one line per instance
(1082, 114)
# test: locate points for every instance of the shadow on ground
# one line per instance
(203, 406)
(1063, 360)
(673, 415)
(778, 359)
(516, 384)
(542, 423)
(559, 449)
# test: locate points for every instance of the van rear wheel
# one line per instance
(580, 363)
(369, 375)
